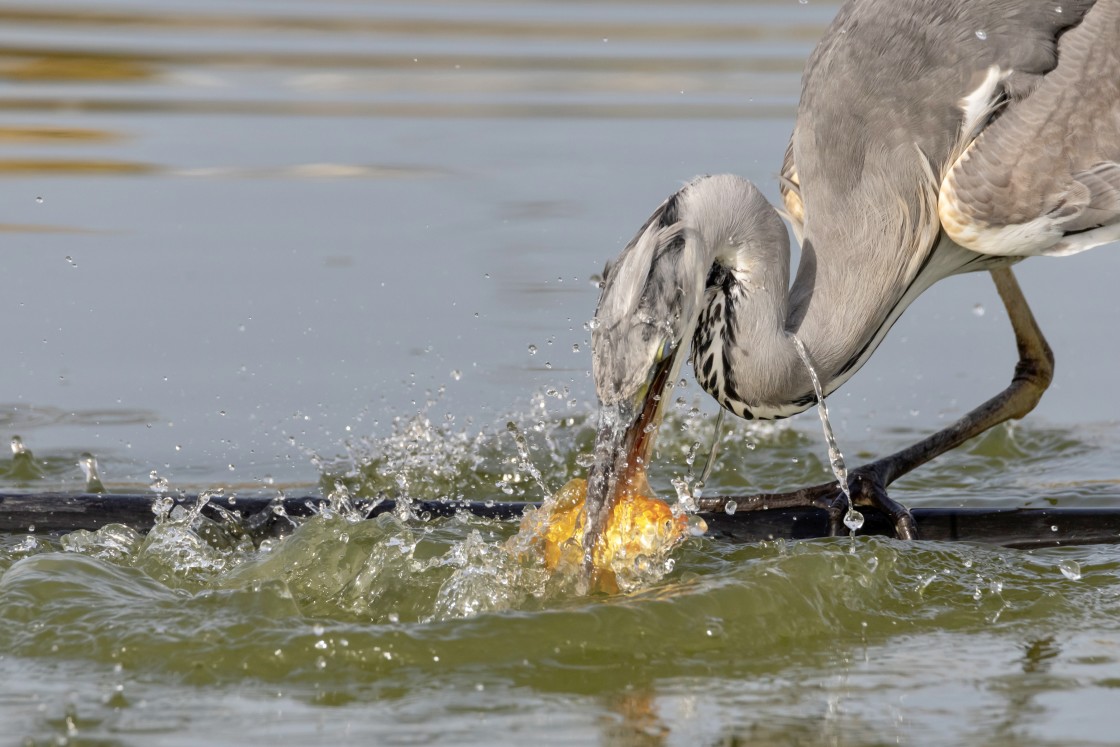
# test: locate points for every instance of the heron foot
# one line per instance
(868, 489)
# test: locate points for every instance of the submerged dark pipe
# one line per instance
(1009, 527)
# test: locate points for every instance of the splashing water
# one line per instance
(158, 484)
(24, 467)
(88, 464)
(428, 458)
(632, 550)
(526, 464)
(853, 519)
(1071, 569)
(687, 491)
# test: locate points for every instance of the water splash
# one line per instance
(690, 486)
(88, 464)
(853, 519)
(526, 464)
(24, 467)
(158, 484)
(1071, 569)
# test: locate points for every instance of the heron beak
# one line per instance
(624, 444)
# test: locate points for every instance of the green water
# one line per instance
(270, 245)
(404, 630)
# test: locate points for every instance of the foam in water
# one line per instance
(853, 519)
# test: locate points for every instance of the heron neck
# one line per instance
(838, 325)
(751, 365)
(742, 351)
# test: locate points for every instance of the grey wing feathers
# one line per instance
(1102, 184)
(1044, 176)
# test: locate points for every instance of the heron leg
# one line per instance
(1033, 374)
(868, 483)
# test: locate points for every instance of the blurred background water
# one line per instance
(259, 244)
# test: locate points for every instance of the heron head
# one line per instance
(651, 301)
(643, 324)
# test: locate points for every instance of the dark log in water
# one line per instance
(1010, 527)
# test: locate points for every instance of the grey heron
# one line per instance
(933, 137)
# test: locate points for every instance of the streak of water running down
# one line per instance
(853, 520)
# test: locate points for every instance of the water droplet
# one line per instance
(40, 199)
(978, 309)
(71, 261)
(575, 347)
(17, 445)
(593, 324)
(1071, 569)
(456, 374)
(157, 484)
(532, 350)
(730, 508)
(853, 520)
(697, 527)
(982, 35)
